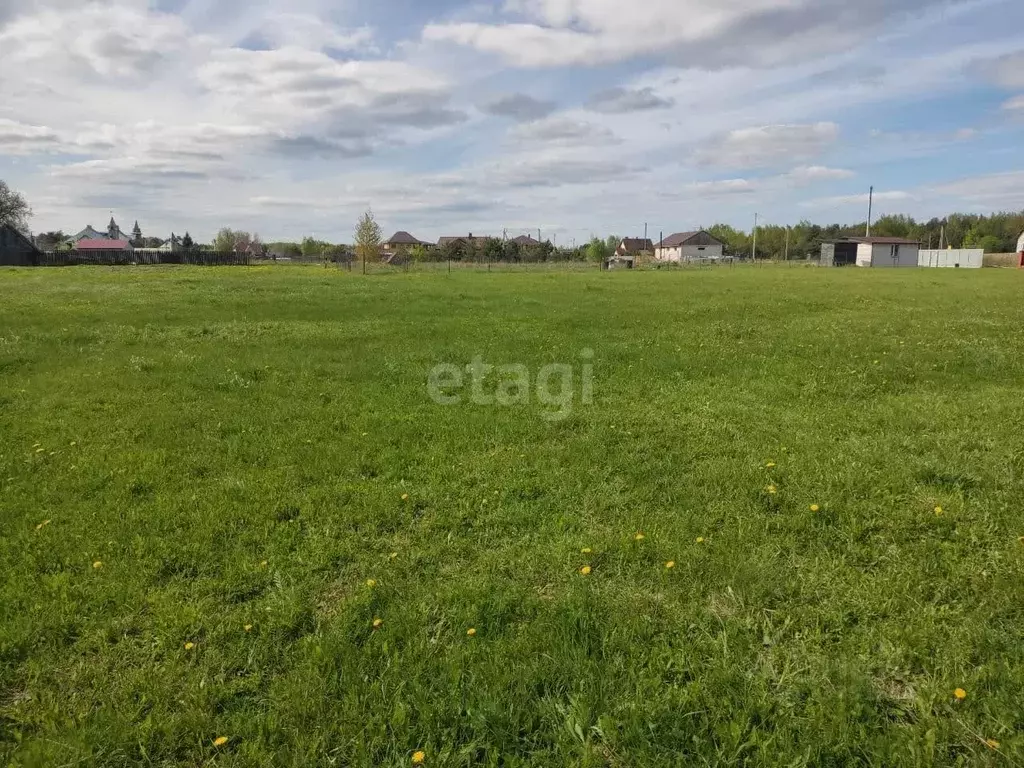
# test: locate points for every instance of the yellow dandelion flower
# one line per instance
(585, 570)
(98, 564)
(220, 741)
(769, 465)
(960, 694)
(393, 555)
(639, 537)
(771, 489)
(992, 743)
(815, 508)
(189, 646)
(418, 757)
(248, 627)
(670, 564)
(405, 497)
(378, 623)
(471, 631)
(700, 539)
(586, 550)
(938, 510)
(263, 564)
(371, 583)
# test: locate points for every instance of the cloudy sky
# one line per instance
(575, 117)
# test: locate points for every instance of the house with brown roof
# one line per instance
(402, 242)
(468, 242)
(689, 246)
(632, 246)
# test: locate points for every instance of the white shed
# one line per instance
(1020, 243)
(886, 251)
(689, 246)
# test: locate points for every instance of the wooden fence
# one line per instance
(130, 258)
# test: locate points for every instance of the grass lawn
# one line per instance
(214, 481)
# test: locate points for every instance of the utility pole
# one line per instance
(871, 202)
(942, 236)
(787, 242)
(645, 231)
(538, 234)
(753, 246)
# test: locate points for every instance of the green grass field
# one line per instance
(202, 469)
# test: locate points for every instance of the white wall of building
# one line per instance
(686, 253)
(965, 258)
(668, 254)
(887, 255)
(1020, 244)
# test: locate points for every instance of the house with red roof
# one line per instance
(104, 244)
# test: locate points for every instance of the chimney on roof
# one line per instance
(470, 235)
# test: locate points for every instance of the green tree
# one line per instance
(511, 251)
(187, 243)
(312, 248)
(14, 209)
(736, 243)
(494, 250)
(225, 240)
(598, 250)
(419, 253)
(368, 238)
(50, 241)
(454, 250)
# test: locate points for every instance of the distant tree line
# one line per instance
(995, 233)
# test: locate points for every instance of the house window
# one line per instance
(701, 248)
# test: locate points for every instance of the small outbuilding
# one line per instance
(16, 250)
(870, 252)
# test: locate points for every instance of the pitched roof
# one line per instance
(883, 240)
(674, 241)
(525, 240)
(477, 240)
(635, 245)
(102, 245)
(404, 238)
(11, 232)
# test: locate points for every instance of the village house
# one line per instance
(402, 242)
(114, 232)
(689, 246)
(468, 242)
